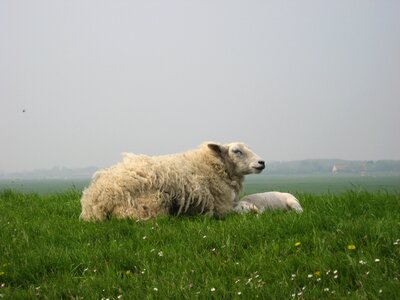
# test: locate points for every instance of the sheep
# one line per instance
(206, 180)
(268, 201)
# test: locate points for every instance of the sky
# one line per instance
(83, 81)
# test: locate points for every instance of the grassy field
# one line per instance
(346, 244)
(326, 184)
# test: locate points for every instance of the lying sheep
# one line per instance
(268, 201)
(205, 180)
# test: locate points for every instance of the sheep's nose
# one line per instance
(261, 162)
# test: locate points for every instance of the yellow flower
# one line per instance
(351, 247)
(297, 244)
(2, 273)
(317, 274)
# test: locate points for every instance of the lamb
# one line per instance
(206, 180)
(268, 201)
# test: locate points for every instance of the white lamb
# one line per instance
(205, 180)
(268, 201)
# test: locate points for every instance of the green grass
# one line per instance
(332, 184)
(47, 253)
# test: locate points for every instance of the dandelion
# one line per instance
(351, 247)
(2, 273)
(212, 290)
(297, 244)
(317, 273)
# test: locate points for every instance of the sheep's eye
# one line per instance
(237, 151)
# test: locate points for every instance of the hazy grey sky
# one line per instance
(292, 79)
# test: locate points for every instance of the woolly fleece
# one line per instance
(205, 180)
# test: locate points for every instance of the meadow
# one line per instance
(346, 245)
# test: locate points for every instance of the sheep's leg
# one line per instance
(293, 204)
(93, 213)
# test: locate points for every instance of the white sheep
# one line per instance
(268, 201)
(205, 180)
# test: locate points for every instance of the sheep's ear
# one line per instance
(218, 149)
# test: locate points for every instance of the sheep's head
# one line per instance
(239, 159)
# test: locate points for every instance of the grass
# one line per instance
(321, 184)
(344, 245)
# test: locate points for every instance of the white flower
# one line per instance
(160, 253)
(310, 275)
(239, 293)
(212, 289)
(145, 237)
(377, 260)
(155, 289)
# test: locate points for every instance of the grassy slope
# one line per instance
(48, 253)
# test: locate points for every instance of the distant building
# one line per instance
(354, 167)
(340, 168)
